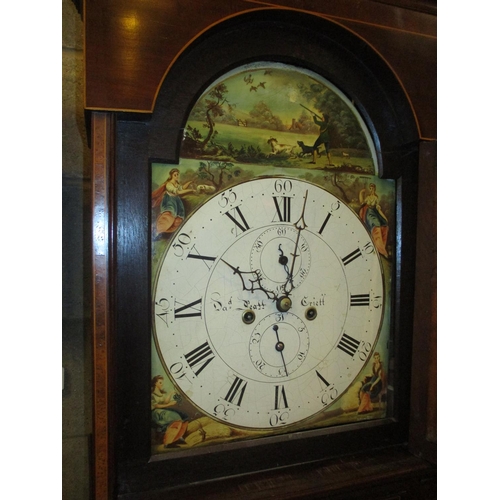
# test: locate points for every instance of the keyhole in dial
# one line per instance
(248, 317)
(311, 313)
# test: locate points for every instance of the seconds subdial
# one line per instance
(272, 254)
(279, 345)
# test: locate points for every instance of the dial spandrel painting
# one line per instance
(272, 253)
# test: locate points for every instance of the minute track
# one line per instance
(269, 319)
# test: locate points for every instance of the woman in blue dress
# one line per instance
(168, 198)
(167, 421)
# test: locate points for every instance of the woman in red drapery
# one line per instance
(375, 220)
(372, 386)
(168, 198)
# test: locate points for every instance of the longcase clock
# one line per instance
(255, 246)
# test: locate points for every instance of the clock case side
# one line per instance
(348, 62)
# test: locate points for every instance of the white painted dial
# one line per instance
(267, 302)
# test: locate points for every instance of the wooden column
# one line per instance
(102, 135)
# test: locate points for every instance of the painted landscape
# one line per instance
(266, 115)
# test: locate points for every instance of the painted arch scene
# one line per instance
(280, 116)
(272, 119)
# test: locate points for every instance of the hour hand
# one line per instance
(252, 281)
(283, 260)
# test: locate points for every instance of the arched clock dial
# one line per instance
(267, 301)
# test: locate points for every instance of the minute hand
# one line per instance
(300, 225)
(255, 283)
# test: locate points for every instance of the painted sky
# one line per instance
(275, 84)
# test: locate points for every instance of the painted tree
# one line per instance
(215, 171)
(336, 180)
(214, 107)
(261, 116)
(346, 132)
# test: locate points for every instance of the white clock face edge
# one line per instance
(228, 368)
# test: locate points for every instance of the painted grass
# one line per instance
(256, 137)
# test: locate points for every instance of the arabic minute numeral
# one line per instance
(279, 419)
(329, 395)
(282, 186)
(180, 244)
(178, 372)
(364, 350)
(164, 306)
(223, 412)
(329, 392)
(368, 248)
(227, 198)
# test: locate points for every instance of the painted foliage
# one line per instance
(260, 120)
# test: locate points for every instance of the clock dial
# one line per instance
(267, 302)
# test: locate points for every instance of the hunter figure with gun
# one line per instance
(324, 134)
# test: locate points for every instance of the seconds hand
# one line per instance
(279, 347)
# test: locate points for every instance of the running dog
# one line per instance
(307, 150)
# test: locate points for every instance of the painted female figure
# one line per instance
(171, 423)
(374, 219)
(372, 386)
(168, 198)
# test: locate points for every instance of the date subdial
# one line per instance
(279, 345)
(272, 254)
